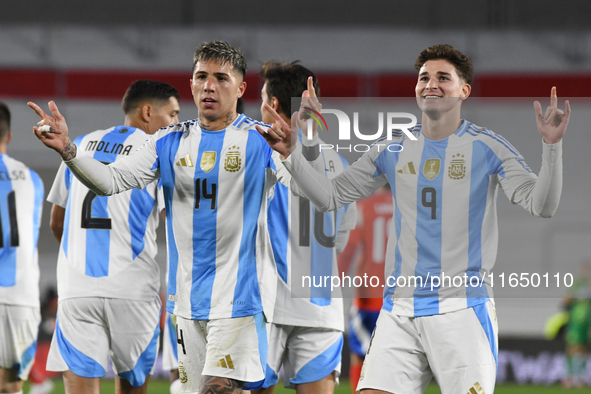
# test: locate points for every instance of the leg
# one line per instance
(322, 386)
(268, 390)
(462, 348)
(9, 381)
(123, 386)
(355, 370)
(217, 385)
(74, 384)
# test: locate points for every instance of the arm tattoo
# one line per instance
(69, 151)
(217, 385)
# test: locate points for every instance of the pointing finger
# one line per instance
(37, 109)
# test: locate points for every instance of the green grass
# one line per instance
(161, 387)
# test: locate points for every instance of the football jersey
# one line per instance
(216, 186)
(108, 244)
(444, 202)
(21, 202)
(304, 244)
(366, 249)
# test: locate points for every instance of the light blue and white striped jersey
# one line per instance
(445, 220)
(308, 249)
(216, 186)
(108, 245)
(21, 202)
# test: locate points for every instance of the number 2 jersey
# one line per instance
(444, 204)
(21, 202)
(309, 250)
(108, 245)
(216, 186)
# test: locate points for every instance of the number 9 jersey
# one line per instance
(108, 244)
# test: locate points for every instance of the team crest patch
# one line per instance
(431, 169)
(233, 162)
(208, 161)
(182, 373)
(457, 167)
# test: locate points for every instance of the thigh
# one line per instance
(276, 352)
(461, 348)
(192, 347)
(80, 342)
(237, 349)
(18, 335)
(396, 360)
(312, 354)
(134, 328)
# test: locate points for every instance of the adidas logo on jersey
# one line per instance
(185, 161)
(225, 362)
(476, 389)
(409, 168)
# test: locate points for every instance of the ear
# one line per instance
(275, 104)
(145, 112)
(241, 89)
(466, 90)
(8, 137)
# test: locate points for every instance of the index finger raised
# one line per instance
(37, 109)
(274, 114)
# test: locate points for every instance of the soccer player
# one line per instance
(306, 334)
(444, 223)
(217, 174)
(21, 201)
(366, 250)
(108, 279)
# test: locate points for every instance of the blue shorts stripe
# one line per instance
(77, 362)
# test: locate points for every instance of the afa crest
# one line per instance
(233, 162)
(457, 167)
(431, 168)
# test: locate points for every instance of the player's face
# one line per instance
(216, 87)
(164, 115)
(266, 116)
(439, 87)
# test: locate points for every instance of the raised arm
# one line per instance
(134, 171)
(541, 195)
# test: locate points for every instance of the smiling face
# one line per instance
(216, 87)
(439, 88)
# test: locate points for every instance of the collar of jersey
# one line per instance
(458, 133)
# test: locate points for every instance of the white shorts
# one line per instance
(307, 354)
(458, 348)
(170, 357)
(229, 348)
(19, 326)
(89, 330)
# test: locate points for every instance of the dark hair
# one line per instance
(146, 89)
(285, 81)
(4, 121)
(461, 62)
(222, 52)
